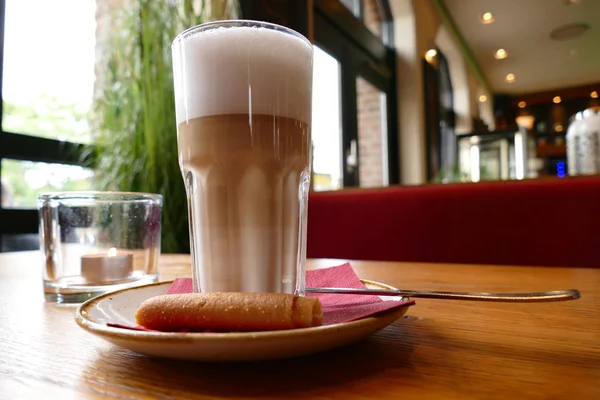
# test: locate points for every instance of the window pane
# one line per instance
(22, 181)
(372, 135)
(326, 123)
(49, 55)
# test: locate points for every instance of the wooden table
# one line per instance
(442, 350)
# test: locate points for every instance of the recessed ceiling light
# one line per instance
(500, 54)
(483, 98)
(431, 53)
(486, 18)
(594, 95)
(556, 99)
(510, 78)
(522, 104)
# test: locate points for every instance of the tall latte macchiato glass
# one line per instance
(243, 93)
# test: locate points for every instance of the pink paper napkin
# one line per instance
(337, 308)
(346, 307)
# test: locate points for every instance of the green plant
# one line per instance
(134, 110)
(449, 174)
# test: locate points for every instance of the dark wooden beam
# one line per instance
(340, 17)
(293, 14)
(18, 221)
(32, 148)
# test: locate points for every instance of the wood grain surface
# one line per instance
(442, 350)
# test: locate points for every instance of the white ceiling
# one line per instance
(523, 27)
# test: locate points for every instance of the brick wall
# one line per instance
(370, 137)
(370, 128)
(372, 17)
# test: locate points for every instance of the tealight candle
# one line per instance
(106, 267)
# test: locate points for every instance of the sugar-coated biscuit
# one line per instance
(229, 311)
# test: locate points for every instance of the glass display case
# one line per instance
(511, 154)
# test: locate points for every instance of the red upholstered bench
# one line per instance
(537, 222)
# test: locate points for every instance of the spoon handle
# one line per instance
(558, 295)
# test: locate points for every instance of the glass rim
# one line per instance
(101, 195)
(231, 23)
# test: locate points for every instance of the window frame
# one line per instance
(360, 53)
(24, 147)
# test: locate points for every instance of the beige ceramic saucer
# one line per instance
(119, 308)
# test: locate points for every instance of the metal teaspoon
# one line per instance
(557, 295)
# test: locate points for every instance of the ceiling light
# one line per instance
(431, 53)
(522, 104)
(500, 54)
(558, 128)
(483, 98)
(486, 18)
(594, 95)
(556, 99)
(525, 121)
(510, 78)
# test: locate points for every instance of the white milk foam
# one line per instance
(241, 70)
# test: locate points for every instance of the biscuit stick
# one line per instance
(231, 311)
